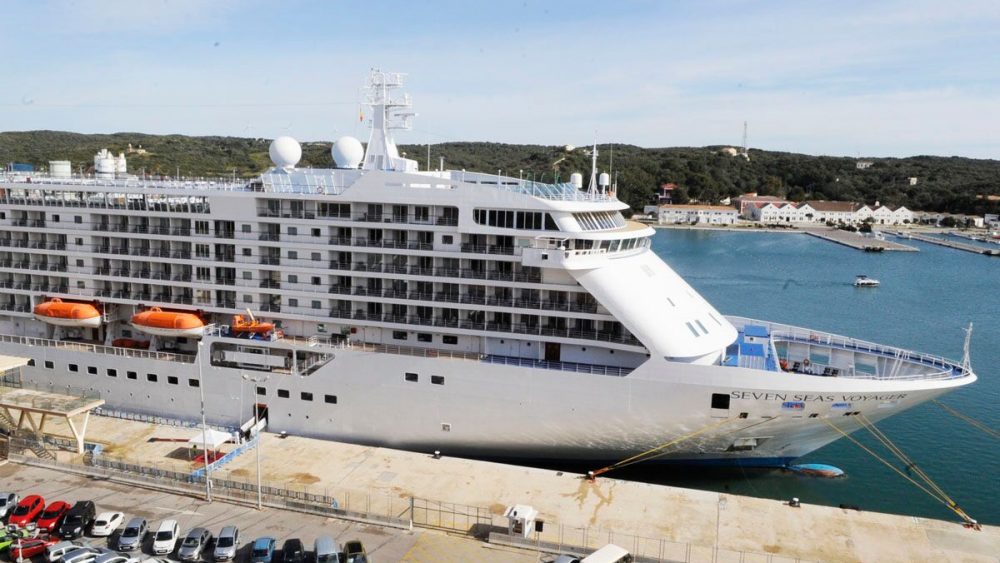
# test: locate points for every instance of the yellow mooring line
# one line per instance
(644, 455)
(972, 422)
(937, 493)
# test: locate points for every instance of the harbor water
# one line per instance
(925, 301)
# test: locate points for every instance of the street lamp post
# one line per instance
(204, 424)
(256, 421)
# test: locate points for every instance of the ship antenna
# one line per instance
(592, 188)
(966, 361)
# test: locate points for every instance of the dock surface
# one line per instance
(956, 245)
(858, 242)
(690, 525)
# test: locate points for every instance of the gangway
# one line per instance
(35, 407)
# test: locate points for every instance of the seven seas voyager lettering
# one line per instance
(762, 396)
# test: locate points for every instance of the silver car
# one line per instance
(226, 544)
(132, 535)
(7, 503)
(193, 544)
(85, 554)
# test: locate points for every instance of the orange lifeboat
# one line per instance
(69, 313)
(251, 326)
(158, 322)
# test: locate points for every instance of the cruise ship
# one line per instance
(375, 302)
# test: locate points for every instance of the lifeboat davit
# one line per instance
(158, 322)
(252, 326)
(57, 312)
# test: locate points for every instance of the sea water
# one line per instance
(925, 302)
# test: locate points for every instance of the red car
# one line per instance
(50, 519)
(30, 547)
(27, 510)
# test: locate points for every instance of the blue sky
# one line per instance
(885, 78)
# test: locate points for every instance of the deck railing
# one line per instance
(941, 368)
(97, 348)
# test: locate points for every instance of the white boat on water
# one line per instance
(864, 281)
(473, 313)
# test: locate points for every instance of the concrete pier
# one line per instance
(661, 522)
(858, 242)
(956, 245)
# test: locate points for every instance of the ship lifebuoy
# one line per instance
(805, 362)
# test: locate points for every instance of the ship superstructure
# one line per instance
(374, 302)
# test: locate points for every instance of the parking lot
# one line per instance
(382, 544)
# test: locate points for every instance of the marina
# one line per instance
(859, 242)
(955, 245)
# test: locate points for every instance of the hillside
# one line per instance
(944, 184)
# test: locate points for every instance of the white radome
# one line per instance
(347, 152)
(285, 152)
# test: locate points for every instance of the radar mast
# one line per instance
(390, 110)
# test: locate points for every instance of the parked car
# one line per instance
(567, 558)
(327, 550)
(133, 535)
(106, 523)
(27, 548)
(54, 552)
(7, 503)
(292, 551)
(263, 550)
(166, 537)
(194, 544)
(114, 557)
(355, 551)
(9, 536)
(77, 520)
(29, 509)
(226, 544)
(53, 516)
(85, 554)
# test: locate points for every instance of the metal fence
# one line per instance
(393, 510)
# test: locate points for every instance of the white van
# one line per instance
(610, 553)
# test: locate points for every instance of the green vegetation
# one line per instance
(703, 174)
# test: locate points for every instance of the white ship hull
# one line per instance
(507, 412)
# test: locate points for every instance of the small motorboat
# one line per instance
(57, 312)
(158, 322)
(865, 281)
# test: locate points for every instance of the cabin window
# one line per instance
(132, 375)
(31, 362)
(261, 391)
(720, 401)
(316, 280)
(449, 339)
(80, 284)
(412, 377)
(316, 305)
(248, 275)
(447, 239)
(247, 252)
(293, 254)
(194, 383)
(78, 219)
(425, 337)
(171, 380)
(79, 262)
(151, 377)
(293, 302)
(283, 393)
(293, 231)
(112, 372)
(437, 379)
(74, 368)
(399, 335)
(292, 278)
(245, 228)
(330, 399)
(49, 364)
(307, 396)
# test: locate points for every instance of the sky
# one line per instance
(846, 77)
